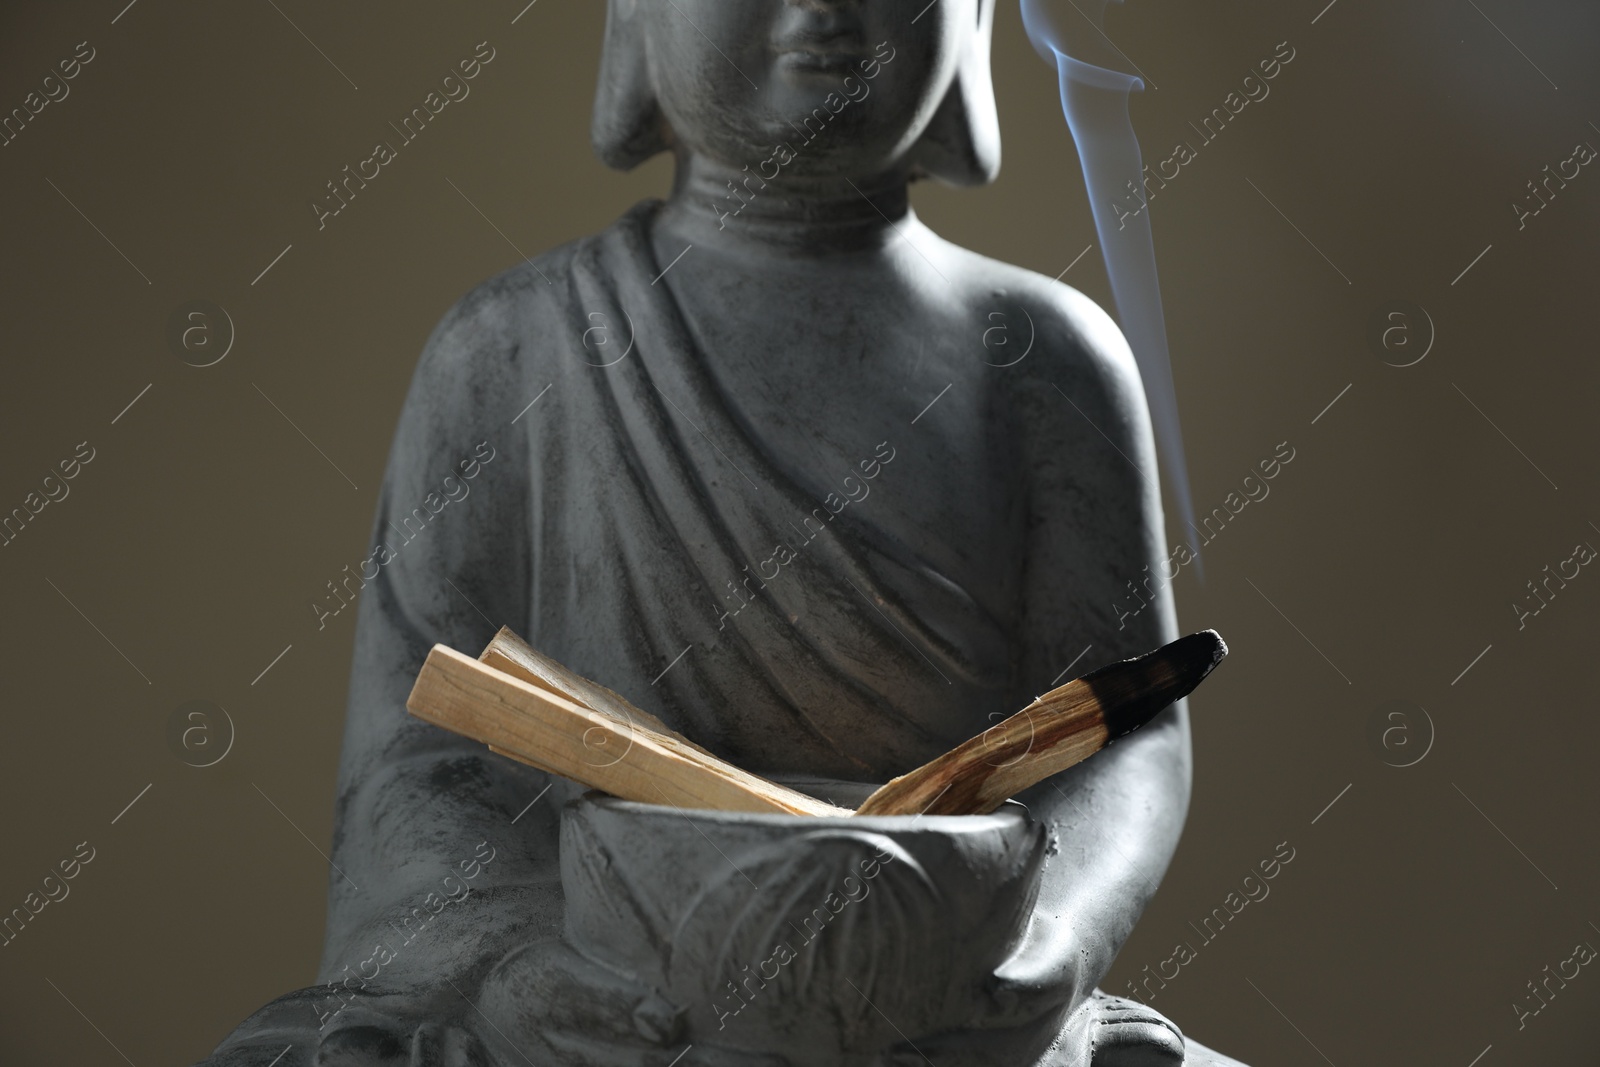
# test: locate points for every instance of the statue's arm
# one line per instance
(1095, 525)
(415, 803)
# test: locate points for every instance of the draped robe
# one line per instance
(647, 537)
(566, 464)
(657, 503)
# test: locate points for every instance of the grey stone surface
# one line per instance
(771, 473)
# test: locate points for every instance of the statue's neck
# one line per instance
(745, 210)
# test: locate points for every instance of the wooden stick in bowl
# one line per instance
(593, 746)
(1065, 726)
(530, 708)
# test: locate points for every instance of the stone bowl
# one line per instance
(831, 939)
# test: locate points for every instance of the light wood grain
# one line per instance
(1056, 731)
(510, 653)
(1065, 726)
(606, 751)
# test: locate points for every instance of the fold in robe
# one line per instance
(614, 512)
(652, 498)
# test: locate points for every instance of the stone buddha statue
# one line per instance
(756, 458)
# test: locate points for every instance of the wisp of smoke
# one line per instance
(1095, 103)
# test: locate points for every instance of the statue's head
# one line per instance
(805, 87)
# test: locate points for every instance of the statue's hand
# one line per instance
(547, 1003)
(402, 1001)
(544, 993)
(542, 1004)
(1044, 975)
(372, 1030)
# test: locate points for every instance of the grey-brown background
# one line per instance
(1391, 548)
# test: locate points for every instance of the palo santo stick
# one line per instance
(623, 758)
(1061, 728)
(509, 653)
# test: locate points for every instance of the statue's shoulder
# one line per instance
(519, 298)
(534, 305)
(1072, 344)
(1072, 328)
(488, 342)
